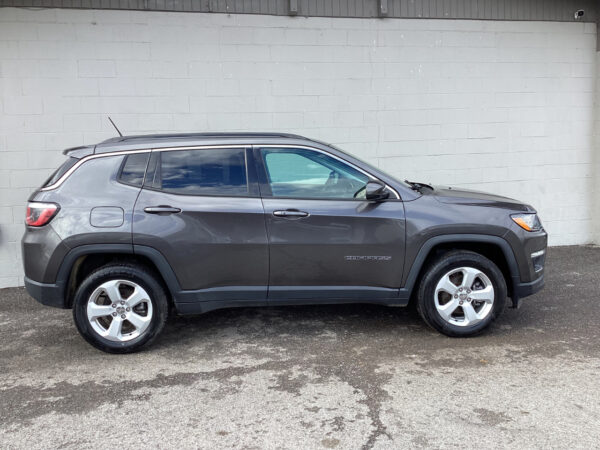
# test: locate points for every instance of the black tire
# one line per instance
(442, 265)
(136, 274)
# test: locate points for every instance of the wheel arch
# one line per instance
(81, 260)
(494, 248)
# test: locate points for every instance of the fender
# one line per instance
(406, 291)
(162, 266)
(62, 278)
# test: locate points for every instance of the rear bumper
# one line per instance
(46, 294)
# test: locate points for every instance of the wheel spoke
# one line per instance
(114, 330)
(469, 276)
(447, 309)
(447, 286)
(94, 310)
(138, 321)
(470, 313)
(136, 297)
(483, 295)
(112, 290)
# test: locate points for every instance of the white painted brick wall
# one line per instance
(506, 107)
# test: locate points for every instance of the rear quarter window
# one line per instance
(133, 169)
(70, 162)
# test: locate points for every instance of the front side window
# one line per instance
(202, 172)
(302, 173)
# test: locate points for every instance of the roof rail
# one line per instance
(200, 135)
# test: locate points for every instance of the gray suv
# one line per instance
(136, 227)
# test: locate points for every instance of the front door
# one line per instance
(325, 240)
(201, 209)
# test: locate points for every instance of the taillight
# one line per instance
(39, 214)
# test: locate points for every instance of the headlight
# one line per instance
(529, 222)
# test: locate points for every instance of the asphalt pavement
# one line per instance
(350, 376)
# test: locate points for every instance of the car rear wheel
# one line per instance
(461, 294)
(120, 308)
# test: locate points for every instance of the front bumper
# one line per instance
(521, 290)
(529, 249)
(46, 294)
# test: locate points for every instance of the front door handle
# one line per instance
(162, 209)
(290, 213)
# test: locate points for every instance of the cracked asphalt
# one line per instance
(351, 376)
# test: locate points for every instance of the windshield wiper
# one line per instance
(417, 186)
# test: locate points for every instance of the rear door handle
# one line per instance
(161, 209)
(290, 213)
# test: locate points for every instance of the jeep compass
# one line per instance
(132, 229)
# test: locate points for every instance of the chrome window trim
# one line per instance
(83, 160)
(199, 147)
(307, 147)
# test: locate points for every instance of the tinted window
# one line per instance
(153, 171)
(70, 162)
(134, 169)
(203, 172)
(309, 174)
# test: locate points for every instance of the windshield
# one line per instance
(369, 166)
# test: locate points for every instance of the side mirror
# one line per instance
(375, 191)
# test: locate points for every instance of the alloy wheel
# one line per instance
(119, 310)
(464, 296)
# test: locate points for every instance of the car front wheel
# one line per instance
(461, 294)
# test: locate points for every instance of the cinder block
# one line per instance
(236, 35)
(82, 122)
(22, 105)
(130, 32)
(28, 178)
(39, 50)
(88, 32)
(137, 69)
(11, 31)
(96, 69)
(267, 36)
(171, 69)
(55, 32)
(117, 86)
(362, 38)
(13, 196)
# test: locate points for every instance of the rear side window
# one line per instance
(70, 162)
(133, 169)
(202, 172)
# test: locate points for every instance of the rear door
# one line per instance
(325, 240)
(201, 209)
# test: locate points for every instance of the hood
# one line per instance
(458, 196)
